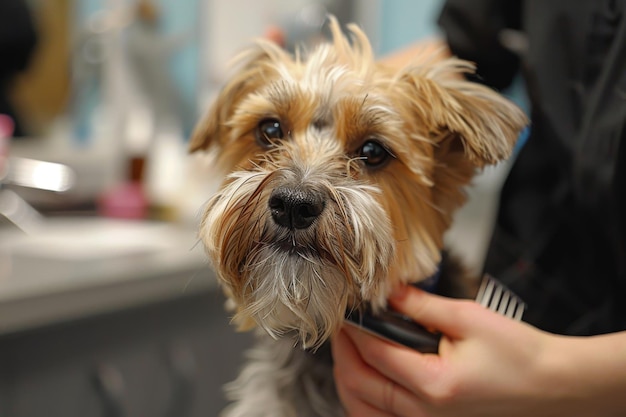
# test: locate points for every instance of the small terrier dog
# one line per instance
(341, 176)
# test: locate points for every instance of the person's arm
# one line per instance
(488, 365)
(473, 31)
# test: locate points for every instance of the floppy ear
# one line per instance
(463, 115)
(253, 65)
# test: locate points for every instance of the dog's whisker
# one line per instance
(435, 207)
(319, 278)
(189, 281)
(424, 139)
(195, 245)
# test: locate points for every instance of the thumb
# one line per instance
(447, 315)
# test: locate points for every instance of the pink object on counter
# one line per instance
(6, 126)
(125, 201)
(6, 131)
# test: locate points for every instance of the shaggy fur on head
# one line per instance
(373, 159)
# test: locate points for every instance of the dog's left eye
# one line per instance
(373, 153)
(268, 131)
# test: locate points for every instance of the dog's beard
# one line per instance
(299, 280)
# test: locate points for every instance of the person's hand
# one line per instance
(487, 365)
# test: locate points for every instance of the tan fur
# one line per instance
(381, 226)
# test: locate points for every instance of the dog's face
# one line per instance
(342, 177)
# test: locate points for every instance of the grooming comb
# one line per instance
(398, 328)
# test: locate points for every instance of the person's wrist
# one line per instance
(571, 383)
(600, 364)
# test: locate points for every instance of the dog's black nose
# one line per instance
(295, 208)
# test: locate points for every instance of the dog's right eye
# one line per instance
(374, 154)
(267, 132)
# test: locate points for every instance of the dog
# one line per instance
(340, 177)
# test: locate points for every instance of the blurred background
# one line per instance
(107, 304)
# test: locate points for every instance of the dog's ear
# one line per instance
(252, 67)
(463, 115)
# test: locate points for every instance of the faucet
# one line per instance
(30, 173)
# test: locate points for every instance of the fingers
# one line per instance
(449, 316)
(355, 407)
(403, 365)
(353, 379)
(364, 391)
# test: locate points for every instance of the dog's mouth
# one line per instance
(293, 248)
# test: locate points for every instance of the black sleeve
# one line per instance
(17, 36)
(472, 29)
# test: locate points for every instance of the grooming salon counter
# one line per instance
(69, 268)
(104, 317)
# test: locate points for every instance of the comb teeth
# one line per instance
(495, 296)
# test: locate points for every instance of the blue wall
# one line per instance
(178, 18)
(405, 21)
